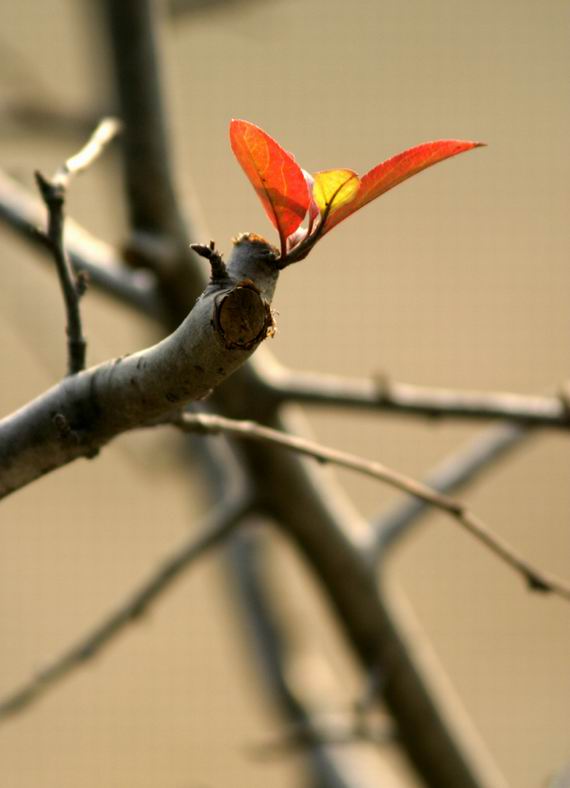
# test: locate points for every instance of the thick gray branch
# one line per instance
(82, 413)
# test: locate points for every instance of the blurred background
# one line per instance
(458, 278)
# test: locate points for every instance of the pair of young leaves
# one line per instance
(292, 197)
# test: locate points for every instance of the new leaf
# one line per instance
(332, 195)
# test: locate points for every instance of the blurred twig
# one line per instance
(455, 472)
(303, 730)
(219, 524)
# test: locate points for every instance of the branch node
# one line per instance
(81, 283)
(536, 583)
(53, 194)
(456, 508)
(64, 429)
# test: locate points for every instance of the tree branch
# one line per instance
(219, 525)
(53, 192)
(82, 413)
(536, 579)
(387, 395)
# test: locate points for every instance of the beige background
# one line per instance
(459, 278)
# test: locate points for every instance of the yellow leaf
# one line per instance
(333, 188)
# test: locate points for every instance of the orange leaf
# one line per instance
(274, 174)
(395, 170)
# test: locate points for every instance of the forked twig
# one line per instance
(23, 213)
(53, 192)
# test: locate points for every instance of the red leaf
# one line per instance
(275, 176)
(395, 170)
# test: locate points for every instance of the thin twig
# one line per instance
(535, 579)
(386, 395)
(107, 129)
(457, 470)
(53, 193)
(219, 525)
(53, 197)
